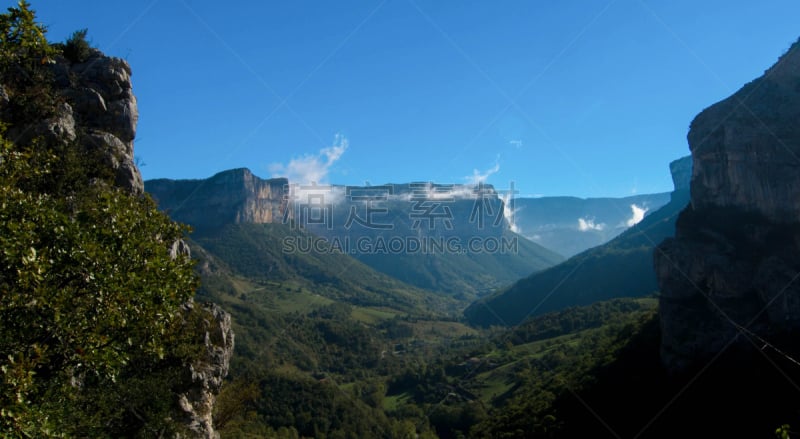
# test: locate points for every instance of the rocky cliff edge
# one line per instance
(731, 271)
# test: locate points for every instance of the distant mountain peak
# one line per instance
(228, 197)
(681, 171)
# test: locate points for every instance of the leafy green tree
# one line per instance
(87, 286)
(93, 339)
(24, 55)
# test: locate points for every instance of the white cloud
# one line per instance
(311, 168)
(478, 177)
(637, 215)
(587, 224)
(509, 213)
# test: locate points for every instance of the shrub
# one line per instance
(76, 48)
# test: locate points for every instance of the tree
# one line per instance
(93, 338)
(76, 48)
(24, 54)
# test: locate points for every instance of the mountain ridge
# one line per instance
(453, 239)
(584, 278)
(570, 225)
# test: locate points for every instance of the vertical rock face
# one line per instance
(746, 148)
(99, 110)
(99, 99)
(681, 171)
(234, 196)
(205, 376)
(736, 253)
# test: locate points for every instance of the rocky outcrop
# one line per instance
(205, 375)
(736, 253)
(746, 148)
(234, 196)
(98, 110)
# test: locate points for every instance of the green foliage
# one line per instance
(510, 387)
(24, 55)
(256, 251)
(782, 432)
(465, 276)
(88, 287)
(317, 332)
(576, 319)
(76, 48)
(93, 339)
(22, 40)
(561, 369)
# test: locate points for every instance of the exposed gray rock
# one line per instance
(180, 248)
(234, 196)
(88, 102)
(681, 171)
(746, 148)
(61, 126)
(99, 111)
(113, 148)
(101, 101)
(58, 129)
(736, 253)
(128, 177)
(205, 376)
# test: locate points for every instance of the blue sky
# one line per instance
(562, 97)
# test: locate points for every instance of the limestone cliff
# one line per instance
(234, 196)
(98, 110)
(734, 260)
(745, 148)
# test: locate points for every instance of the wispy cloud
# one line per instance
(637, 214)
(481, 177)
(587, 224)
(311, 168)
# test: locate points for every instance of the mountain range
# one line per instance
(570, 225)
(450, 239)
(459, 240)
(622, 267)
